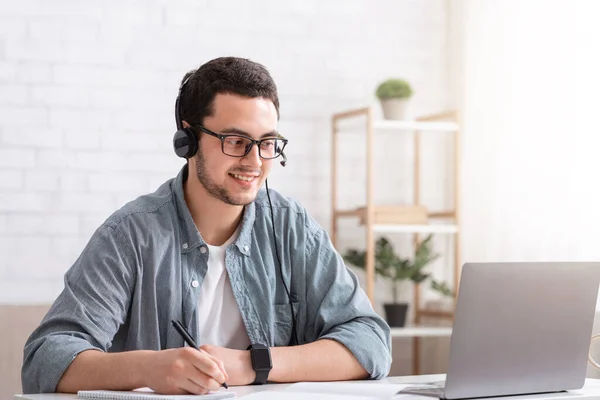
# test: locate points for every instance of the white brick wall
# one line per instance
(87, 91)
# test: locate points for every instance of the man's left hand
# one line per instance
(237, 364)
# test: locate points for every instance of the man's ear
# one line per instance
(185, 124)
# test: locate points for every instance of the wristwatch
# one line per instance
(261, 362)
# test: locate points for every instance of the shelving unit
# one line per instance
(412, 219)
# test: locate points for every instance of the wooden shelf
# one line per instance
(421, 331)
(426, 228)
(424, 312)
(415, 126)
(413, 219)
(425, 124)
(406, 214)
(356, 212)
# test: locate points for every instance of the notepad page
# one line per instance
(149, 395)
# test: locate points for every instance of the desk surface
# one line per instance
(591, 390)
(244, 390)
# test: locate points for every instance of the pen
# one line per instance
(188, 339)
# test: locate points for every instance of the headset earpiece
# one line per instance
(185, 143)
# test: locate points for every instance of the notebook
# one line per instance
(148, 394)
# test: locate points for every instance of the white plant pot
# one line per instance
(394, 108)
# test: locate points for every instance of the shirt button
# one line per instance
(185, 246)
(246, 248)
(202, 249)
(194, 283)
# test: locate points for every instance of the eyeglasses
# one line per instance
(238, 145)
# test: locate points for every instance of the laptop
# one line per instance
(519, 328)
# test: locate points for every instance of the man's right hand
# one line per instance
(184, 370)
(174, 371)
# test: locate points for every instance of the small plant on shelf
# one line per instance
(394, 95)
(394, 89)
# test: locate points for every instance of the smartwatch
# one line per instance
(261, 362)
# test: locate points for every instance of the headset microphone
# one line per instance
(284, 161)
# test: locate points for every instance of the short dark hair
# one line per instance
(224, 75)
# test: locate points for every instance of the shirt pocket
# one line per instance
(284, 323)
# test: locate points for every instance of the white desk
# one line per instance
(591, 390)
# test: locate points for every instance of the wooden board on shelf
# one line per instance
(426, 312)
(424, 228)
(394, 215)
(424, 126)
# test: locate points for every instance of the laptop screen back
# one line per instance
(521, 328)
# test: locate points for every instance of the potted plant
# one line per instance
(390, 266)
(394, 95)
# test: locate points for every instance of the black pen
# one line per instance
(188, 339)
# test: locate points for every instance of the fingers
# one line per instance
(186, 370)
(220, 364)
(182, 386)
(189, 386)
(194, 380)
(210, 367)
(222, 368)
(203, 382)
(204, 364)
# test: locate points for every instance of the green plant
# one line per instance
(390, 266)
(441, 287)
(394, 89)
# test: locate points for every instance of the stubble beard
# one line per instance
(213, 189)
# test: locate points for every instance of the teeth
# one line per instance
(243, 178)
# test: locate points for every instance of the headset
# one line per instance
(185, 144)
(185, 141)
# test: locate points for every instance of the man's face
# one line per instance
(235, 180)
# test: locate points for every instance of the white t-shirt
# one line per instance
(219, 319)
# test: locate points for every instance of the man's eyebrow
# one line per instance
(237, 131)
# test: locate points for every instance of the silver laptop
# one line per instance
(519, 328)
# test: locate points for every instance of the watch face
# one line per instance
(261, 359)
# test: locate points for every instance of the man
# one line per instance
(254, 279)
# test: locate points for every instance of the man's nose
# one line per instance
(252, 159)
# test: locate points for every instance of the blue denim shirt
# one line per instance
(145, 265)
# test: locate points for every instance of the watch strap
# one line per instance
(262, 376)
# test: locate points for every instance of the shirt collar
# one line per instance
(190, 236)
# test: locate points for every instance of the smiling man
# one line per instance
(253, 278)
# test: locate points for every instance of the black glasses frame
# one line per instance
(253, 142)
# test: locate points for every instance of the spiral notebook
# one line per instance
(148, 394)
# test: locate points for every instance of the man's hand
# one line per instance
(184, 370)
(237, 363)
